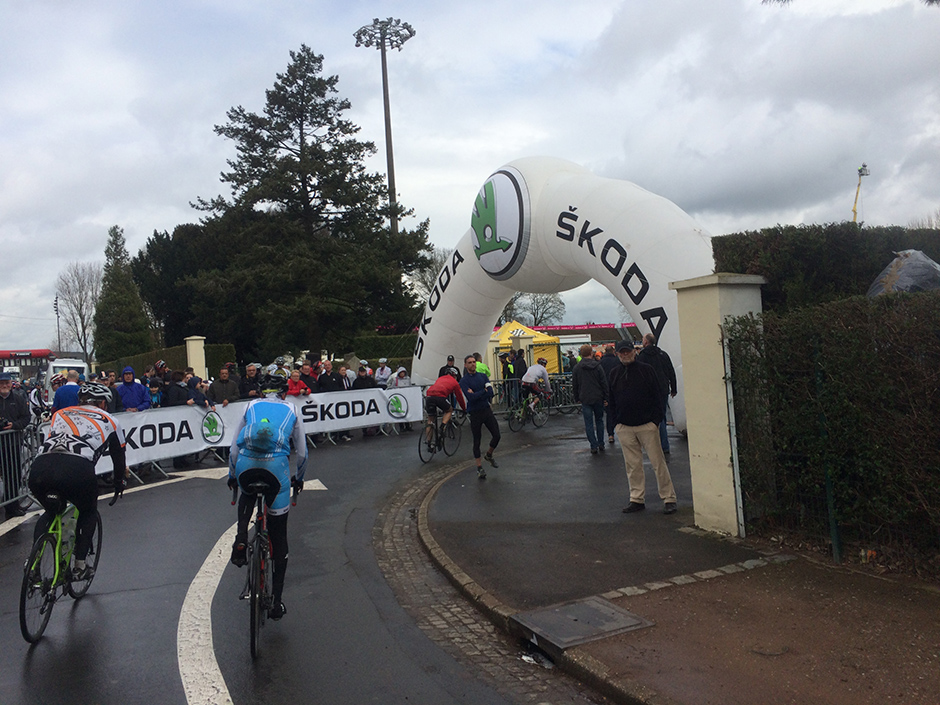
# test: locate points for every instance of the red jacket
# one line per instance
(296, 389)
(444, 387)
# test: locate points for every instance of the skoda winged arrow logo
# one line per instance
(397, 406)
(212, 427)
(500, 223)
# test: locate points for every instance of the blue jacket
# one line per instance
(65, 396)
(479, 384)
(133, 395)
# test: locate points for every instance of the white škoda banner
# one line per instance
(157, 434)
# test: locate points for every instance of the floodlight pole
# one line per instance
(392, 33)
(55, 305)
(862, 171)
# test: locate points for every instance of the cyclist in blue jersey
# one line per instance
(261, 451)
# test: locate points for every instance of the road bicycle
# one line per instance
(259, 583)
(522, 413)
(47, 574)
(442, 436)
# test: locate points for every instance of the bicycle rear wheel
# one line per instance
(516, 418)
(77, 588)
(540, 415)
(255, 595)
(37, 595)
(451, 438)
(426, 449)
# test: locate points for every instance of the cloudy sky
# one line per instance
(743, 114)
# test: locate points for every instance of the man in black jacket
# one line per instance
(636, 407)
(589, 384)
(658, 359)
(610, 363)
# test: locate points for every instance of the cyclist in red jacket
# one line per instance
(436, 397)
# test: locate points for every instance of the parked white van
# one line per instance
(62, 366)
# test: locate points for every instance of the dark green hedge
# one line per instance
(175, 357)
(813, 264)
(852, 389)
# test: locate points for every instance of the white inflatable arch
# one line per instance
(544, 225)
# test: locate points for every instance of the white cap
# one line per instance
(383, 359)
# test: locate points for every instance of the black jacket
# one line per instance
(330, 382)
(634, 395)
(658, 359)
(610, 362)
(15, 409)
(250, 384)
(589, 382)
(443, 371)
(177, 394)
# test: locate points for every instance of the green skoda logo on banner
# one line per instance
(500, 224)
(397, 406)
(212, 428)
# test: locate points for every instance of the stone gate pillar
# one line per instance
(704, 303)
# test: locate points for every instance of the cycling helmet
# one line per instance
(273, 384)
(92, 391)
(159, 365)
(452, 372)
(542, 361)
(280, 361)
(58, 378)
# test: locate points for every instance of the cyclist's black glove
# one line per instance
(232, 483)
(297, 485)
(119, 486)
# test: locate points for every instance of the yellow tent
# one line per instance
(514, 335)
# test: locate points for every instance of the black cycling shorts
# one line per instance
(434, 404)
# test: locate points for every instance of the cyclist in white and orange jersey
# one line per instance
(64, 469)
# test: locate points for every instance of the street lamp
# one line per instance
(393, 34)
(862, 171)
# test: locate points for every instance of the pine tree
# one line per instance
(121, 324)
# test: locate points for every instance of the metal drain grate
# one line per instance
(572, 623)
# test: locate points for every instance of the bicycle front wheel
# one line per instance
(516, 418)
(451, 438)
(77, 588)
(255, 596)
(459, 416)
(37, 595)
(540, 415)
(426, 448)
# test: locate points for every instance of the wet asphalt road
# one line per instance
(345, 638)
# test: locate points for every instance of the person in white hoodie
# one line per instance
(398, 380)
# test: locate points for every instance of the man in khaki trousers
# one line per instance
(636, 407)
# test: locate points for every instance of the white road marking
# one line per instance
(208, 474)
(199, 670)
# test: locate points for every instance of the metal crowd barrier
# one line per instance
(17, 450)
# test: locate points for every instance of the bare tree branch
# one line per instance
(422, 281)
(543, 308)
(79, 287)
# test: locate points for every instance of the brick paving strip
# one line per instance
(443, 614)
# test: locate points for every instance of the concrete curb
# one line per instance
(575, 662)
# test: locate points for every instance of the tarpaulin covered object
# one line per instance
(911, 271)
